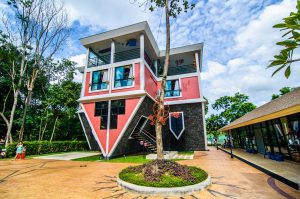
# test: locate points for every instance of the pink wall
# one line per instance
(137, 83)
(189, 89)
(101, 134)
(87, 86)
(130, 105)
(137, 80)
(150, 83)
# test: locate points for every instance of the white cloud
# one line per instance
(254, 47)
(108, 14)
(81, 61)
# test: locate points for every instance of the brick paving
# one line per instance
(39, 178)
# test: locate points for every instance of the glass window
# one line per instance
(99, 80)
(123, 76)
(101, 109)
(172, 88)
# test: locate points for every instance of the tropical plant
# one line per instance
(285, 58)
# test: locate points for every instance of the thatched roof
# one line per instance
(285, 105)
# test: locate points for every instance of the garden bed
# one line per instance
(163, 177)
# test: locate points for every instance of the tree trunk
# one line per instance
(158, 124)
(11, 118)
(53, 129)
(27, 102)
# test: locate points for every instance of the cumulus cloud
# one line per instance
(80, 61)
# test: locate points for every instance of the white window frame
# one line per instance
(91, 78)
(182, 118)
(179, 80)
(113, 77)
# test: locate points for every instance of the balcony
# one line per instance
(127, 55)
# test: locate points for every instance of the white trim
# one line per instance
(125, 126)
(143, 125)
(84, 131)
(113, 77)
(180, 134)
(91, 78)
(197, 62)
(108, 125)
(185, 101)
(112, 95)
(116, 64)
(93, 130)
(142, 66)
(148, 67)
(204, 126)
(84, 73)
(112, 52)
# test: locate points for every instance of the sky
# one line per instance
(238, 37)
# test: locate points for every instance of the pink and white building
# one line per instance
(121, 81)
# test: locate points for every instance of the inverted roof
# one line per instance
(285, 105)
(142, 27)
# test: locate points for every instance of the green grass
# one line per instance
(185, 152)
(166, 180)
(123, 159)
(141, 159)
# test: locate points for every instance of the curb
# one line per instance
(164, 191)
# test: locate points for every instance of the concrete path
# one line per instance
(68, 156)
(287, 169)
(39, 178)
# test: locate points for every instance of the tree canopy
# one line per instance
(282, 91)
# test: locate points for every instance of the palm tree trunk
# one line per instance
(158, 124)
(52, 135)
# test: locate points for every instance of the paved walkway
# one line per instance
(287, 169)
(68, 156)
(39, 178)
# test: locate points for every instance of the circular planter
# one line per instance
(170, 191)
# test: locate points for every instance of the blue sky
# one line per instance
(238, 37)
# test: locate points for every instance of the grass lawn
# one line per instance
(124, 159)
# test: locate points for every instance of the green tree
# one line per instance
(213, 123)
(282, 91)
(285, 58)
(172, 9)
(233, 107)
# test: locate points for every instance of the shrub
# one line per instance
(43, 147)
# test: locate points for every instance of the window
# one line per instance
(176, 122)
(123, 76)
(99, 80)
(172, 88)
(117, 108)
(101, 109)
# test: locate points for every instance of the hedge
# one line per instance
(43, 147)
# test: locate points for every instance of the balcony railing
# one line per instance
(178, 70)
(99, 60)
(127, 55)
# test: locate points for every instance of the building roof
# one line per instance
(141, 27)
(285, 105)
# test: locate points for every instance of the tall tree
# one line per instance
(282, 91)
(233, 107)
(39, 30)
(213, 123)
(172, 8)
(291, 26)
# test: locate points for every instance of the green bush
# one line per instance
(43, 147)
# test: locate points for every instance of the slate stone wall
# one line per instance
(193, 135)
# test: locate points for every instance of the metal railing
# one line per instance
(99, 60)
(177, 70)
(127, 55)
(147, 136)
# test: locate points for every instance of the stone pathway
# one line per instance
(41, 178)
(68, 156)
